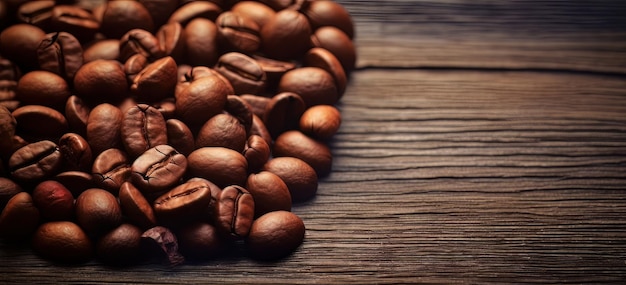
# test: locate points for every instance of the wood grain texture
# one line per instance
(490, 165)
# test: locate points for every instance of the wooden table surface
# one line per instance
(482, 141)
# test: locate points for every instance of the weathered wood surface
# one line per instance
(482, 141)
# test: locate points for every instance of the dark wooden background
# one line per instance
(482, 141)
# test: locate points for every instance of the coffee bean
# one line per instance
(101, 80)
(237, 33)
(201, 42)
(19, 218)
(8, 189)
(237, 106)
(76, 152)
(35, 161)
(142, 128)
(329, 13)
(235, 212)
(324, 59)
(77, 21)
(158, 169)
(321, 122)
(156, 81)
(104, 49)
(195, 9)
(255, 11)
(202, 99)
(313, 84)
(120, 246)
(37, 13)
(299, 177)
(270, 193)
(287, 26)
(220, 165)
(62, 241)
(185, 203)
(98, 211)
(338, 43)
(19, 44)
(257, 152)
(283, 112)
(139, 41)
(37, 122)
(104, 126)
(75, 181)
(243, 72)
(122, 16)
(160, 10)
(8, 125)
(54, 201)
(296, 144)
(60, 53)
(275, 235)
(179, 136)
(200, 241)
(222, 130)
(111, 169)
(171, 41)
(136, 207)
(77, 114)
(162, 240)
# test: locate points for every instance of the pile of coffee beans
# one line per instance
(169, 130)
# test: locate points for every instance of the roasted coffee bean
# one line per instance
(166, 106)
(142, 128)
(270, 193)
(37, 13)
(62, 241)
(77, 114)
(237, 106)
(196, 73)
(258, 128)
(8, 125)
(235, 212)
(274, 69)
(122, 16)
(202, 99)
(195, 9)
(54, 201)
(160, 10)
(8, 97)
(77, 21)
(120, 246)
(201, 42)
(179, 136)
(104, 128)
(111, 169)
(9, 70)
(158, 169)
(338, 43)
(287, 26)
(243, 72)
(256, 103)
(200, 241)
(255, 11)
(222, 130)
(237, 33)
(60, 53)
(133, 65)
(329, 13)
(275, 235)
(320, 122)
(75, 181)
(283, 112)
(156, 81)
(220, 165)
(300, 177)
(185, 203)
(19, 218)
(44, 88)
(171, 40)
(164, 241)
(35, 161)
(97, 211)
(136, 207)
(313, 84)
(101, 80)
(257, 152)
(296, 144)
(19, 44)
(76, 152)
(8, 189)
(139, 41)
(324, 59)
(106, 49)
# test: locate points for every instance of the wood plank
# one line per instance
(442, 176)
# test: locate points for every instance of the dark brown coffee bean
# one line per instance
(235, 212)
(120, 246)
(171, 40)
(243, 72)
(79, 22)
(201, 42)
(36, 122)
(238, 108)
(259, 129)
(300, 177)
(179, 136)
(136, 207)
(283, 112)
(166, 106)
(19, 218)
(19, 44)
(97, 211)
(77, 114)
(275, 235)
(160, 10)
(195, 9)
(287, 26)
(54, 201)
(75, 181)
(324, 59)
(158, 169)
(60, 53)
(296, 144)
(255, 11)
(274, 69)
(122, 16)
(196, 73)
(329, 13)
(62, 241)
(101, 80)
(35, 161)
(203, 99)
(37, 13)
(161, 239)
(111, 169)
(104, 128)
(142, 128)
(320, 122)
(8, 125)
(338, 43)
(76, 152)
(257, 152)
(313, 84)
(44, 88)
(237, 33)
(270, 193)
(139, 41)
(8, 189)
(185, 203)
(105, 49)
(220, 165)
(222, 130)
(133, 65)
(156, 81)
(200, 240)
(256, 103)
